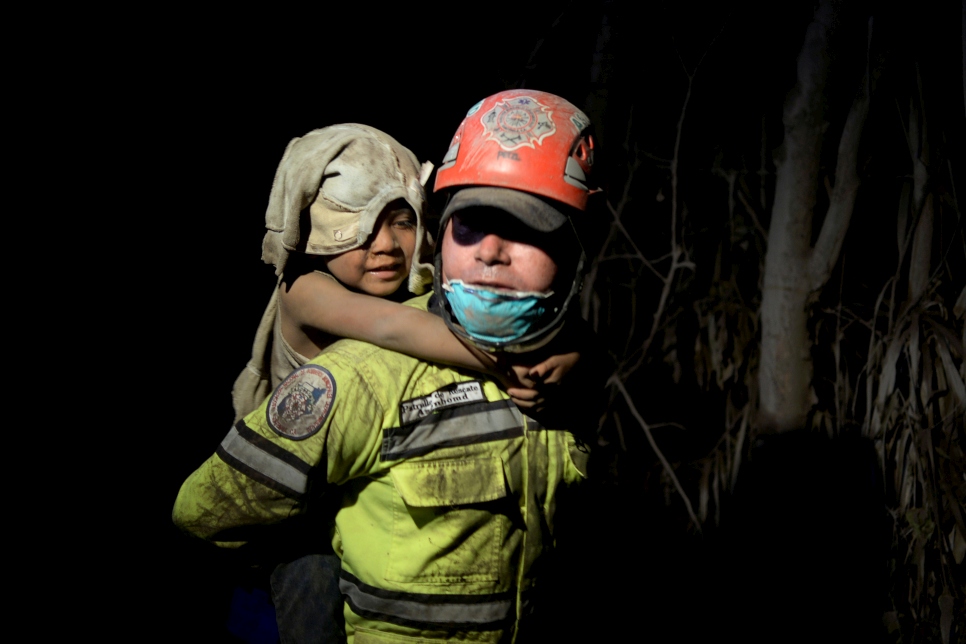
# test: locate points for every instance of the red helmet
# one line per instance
(526, 140)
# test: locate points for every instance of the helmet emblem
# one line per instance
(518, 122)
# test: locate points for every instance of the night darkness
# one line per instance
(225, 94)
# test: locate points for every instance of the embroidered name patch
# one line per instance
(461, 393)
(518, 122)
(300, 405)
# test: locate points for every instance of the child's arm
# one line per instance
(314, 301)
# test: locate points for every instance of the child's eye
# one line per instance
(405, 224)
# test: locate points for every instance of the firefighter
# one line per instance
(445, 490)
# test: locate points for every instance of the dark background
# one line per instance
(216, 97)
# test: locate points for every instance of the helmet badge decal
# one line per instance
(518, 122)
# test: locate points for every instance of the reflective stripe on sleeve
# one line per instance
(468, 424)
(262, 460)
(427, 611)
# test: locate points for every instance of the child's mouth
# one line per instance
(387, 270)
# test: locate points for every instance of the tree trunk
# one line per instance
(793, 268)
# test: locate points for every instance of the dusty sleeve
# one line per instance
(320, 427)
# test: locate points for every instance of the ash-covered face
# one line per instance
(488, 247)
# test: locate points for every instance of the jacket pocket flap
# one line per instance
(453, 482)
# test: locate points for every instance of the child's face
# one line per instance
(381, 265)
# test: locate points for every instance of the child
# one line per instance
(345, 232)
(345, 223)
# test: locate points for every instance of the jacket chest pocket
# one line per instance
(446, 528)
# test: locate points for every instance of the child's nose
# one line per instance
(385, 241)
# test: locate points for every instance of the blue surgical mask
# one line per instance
(495, 316)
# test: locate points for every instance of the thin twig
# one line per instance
(754, 215)
(614, 380)
(661, 162)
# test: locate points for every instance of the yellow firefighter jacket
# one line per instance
(447, 490)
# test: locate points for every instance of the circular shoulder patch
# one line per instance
(300, 405)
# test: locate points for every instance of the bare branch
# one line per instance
(620, 226)
(739, 445)
(690, 74)
(658, 315)
(676, 250)
(660, 161)
(752, 213)
(634, 256)
(842, 200)
(614, 380)
(677, 425)
(531, 63)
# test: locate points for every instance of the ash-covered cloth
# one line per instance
(344, 175)
(329, 189)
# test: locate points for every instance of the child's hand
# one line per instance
(540, 384)
(522, 387)
(553, 369)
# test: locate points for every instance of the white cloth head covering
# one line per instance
(344, 175)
